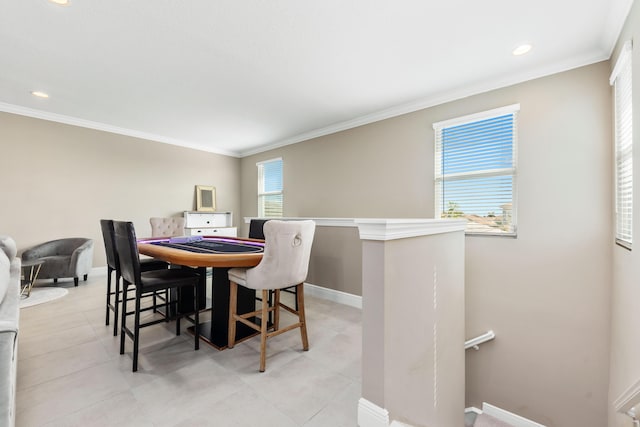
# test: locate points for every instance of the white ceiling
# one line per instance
(238, 76)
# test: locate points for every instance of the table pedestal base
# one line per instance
(218, 339)
(216, 331)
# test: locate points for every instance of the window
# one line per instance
(270, 188)
(475, 170)
(621, 81)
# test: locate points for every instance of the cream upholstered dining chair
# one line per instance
(256, 231)
(285, 263)
(167, 227)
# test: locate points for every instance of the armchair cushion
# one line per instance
(9, 320)
(8, 247)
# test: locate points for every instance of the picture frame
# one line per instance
(205, 198)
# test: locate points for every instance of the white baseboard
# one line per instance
(371, 415)
(333, 295)
(98, 271)
(472, 409)
(509, 417)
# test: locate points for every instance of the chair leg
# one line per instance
(75, 281)
(263, 329)
(233, 306)
(301, 316)
(123, 320)
(196, 326)
(116, 306)
(166, 303)
(109, 271)
(271, 305)
(85, 277)
(276, 313)
(136, 331)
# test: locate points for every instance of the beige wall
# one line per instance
(546, 294)
(60, 180)
(377, 170)
(339, 270)
(625, 328)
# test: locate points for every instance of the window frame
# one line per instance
(512, 171)
(262, 194)
(622, 79)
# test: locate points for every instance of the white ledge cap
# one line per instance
(391, 229)
(386, 228)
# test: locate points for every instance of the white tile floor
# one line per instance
(70, 372)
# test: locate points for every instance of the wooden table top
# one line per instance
(196, 259)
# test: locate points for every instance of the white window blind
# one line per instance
(475, 170)
(270, 200)
(621, 80)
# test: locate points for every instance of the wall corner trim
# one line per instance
(371, 415)
(628, 399)
(391, 229)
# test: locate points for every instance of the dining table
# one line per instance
(218, 254)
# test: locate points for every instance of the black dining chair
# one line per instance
(147, 264)
(146, 283)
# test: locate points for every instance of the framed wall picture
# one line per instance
(205, 198)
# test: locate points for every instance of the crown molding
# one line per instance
(615, 22)
(506, 80)
(476, 88)
(74, 121)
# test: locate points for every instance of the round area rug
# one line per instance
(42, 295)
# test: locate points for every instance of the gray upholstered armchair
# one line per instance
(71, 257)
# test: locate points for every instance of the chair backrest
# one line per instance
(287, 250)
(127, 249)
(109, 243)
(256, 228)
(167, 227)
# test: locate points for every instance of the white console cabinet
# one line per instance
(209, 224)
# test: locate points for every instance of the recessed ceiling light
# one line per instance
(60, 2)
(39, 94)
(522, 49)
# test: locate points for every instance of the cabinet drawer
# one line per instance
(219, 231)
(207, 220)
